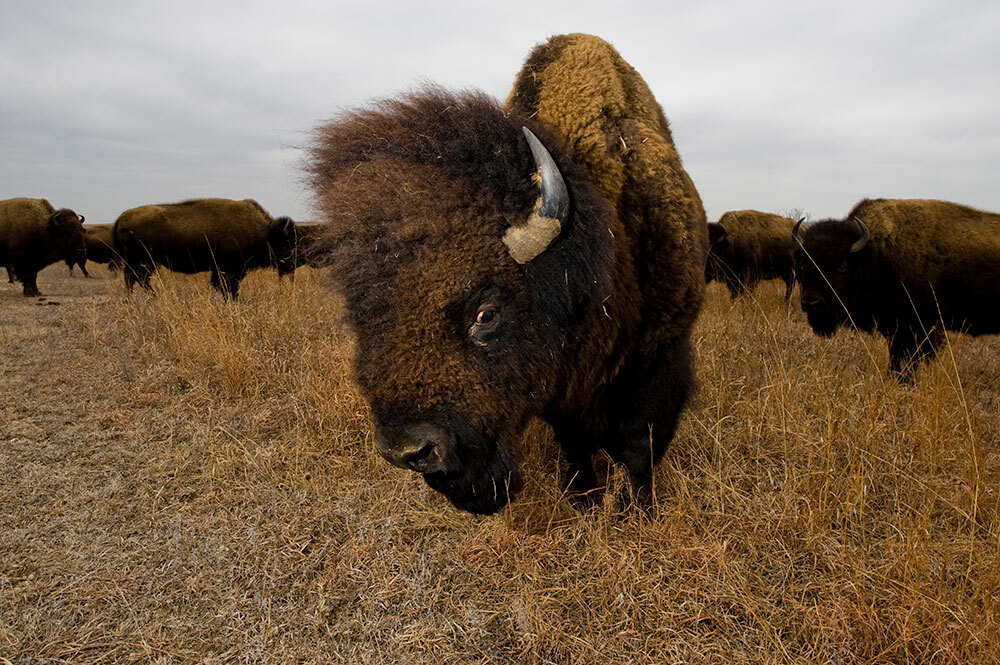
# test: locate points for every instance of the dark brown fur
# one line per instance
(593, 334)
(929, 266)
(33, 235)
(100, 248)
(755, 247)
(221, 236)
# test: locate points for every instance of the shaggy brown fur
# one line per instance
(459, 346)
(929, 265)
(100, 248)
(33, 235)
(222, 236)
(754, 246)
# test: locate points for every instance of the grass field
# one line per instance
(186, 480)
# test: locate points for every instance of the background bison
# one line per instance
(99, 239)
(749, 246)
(222, 236)
(494, 274)
(33, 235)
(906, 268)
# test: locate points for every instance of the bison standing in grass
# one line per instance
(543, 258)
(99, 239)
(747, 247)
(33, 235)
(227, 238)
(909, 269)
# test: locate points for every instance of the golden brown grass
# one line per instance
(203, 487)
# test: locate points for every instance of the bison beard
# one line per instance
(488, 480)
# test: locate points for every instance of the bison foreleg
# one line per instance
(28, 280)
(228, 283)
(651, 417)
(908, 348)
(582, 487)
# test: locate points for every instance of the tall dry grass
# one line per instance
(810, 510)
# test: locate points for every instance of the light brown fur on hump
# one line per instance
(756, 233)
(579, 85)
(926, 238)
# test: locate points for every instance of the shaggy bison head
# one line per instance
(719, 244)
(66, 230)
(281, 242)
(470, 254)
(833, 264)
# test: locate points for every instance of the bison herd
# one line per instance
(546, 257)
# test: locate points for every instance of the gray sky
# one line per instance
(774, 105)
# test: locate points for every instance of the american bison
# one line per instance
(226, 237)
(746, 247)
(908, 269)
(100, 248)
(33, 234)
(542, 258)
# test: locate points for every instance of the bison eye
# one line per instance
(842, 267)
(487, 320)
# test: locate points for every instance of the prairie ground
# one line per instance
(184, 479)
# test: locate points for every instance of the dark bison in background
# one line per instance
(33, 234)
(225, 237)
(307, 244)
(99, 239)
(746, 247)
(544, 258)
(908, 269)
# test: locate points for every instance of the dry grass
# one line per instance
(188, 480)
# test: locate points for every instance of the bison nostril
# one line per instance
(414, 458)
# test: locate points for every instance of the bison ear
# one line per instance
(525, 242)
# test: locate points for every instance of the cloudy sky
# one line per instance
(774, 105)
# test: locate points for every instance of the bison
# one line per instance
(100, 248)
(226, 237)
(33, 234)
(908, 269)
(746, 247)
(543, 258)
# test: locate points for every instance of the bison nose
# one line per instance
(423, 448)
(811, 303)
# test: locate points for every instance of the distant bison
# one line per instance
(33, 235)
(227, 238)
(500, 263)
(100, 248)
(904, 268)
(307, 240)
(746, 247)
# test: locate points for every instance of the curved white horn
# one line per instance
(525, 242)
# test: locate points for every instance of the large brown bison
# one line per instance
(100, 248)
(543, 258)
(33, 234)
(908, 269)
(746, 247)
(226, 237)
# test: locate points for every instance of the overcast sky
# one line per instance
(774, 105)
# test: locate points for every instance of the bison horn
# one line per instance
(525, 242)
(795, 230)
(82, 219)
(863, 240)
